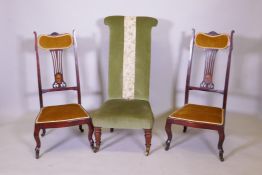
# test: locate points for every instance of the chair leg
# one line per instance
(148, 137)
(111, 129)
(98, 138)
(81, 128)
(90, 133)
(220, 143)
(168, 132)
(37, 139)
(43, 132)
(185, 129)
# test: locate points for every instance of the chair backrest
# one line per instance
(56, 43)
(211, 43)
(129, 56)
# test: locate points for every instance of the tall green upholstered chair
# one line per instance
(127, 106)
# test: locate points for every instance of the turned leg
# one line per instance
(43, 132)
(185, 129)
(98, 138)
(111, 129)
(38, 143)
(168, 132)
(81, 128)
(220, 143)
(148, 137)
(90, 133)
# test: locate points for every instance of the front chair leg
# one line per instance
(148, 137)
(220, 143)
(81, 128)
(38, 143)
(168, 132)
(111, 129)
(98, 138)
(90, 133)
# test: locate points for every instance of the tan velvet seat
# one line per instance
(199, 114)
(61, 113)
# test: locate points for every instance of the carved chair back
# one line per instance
(211, 43)
(56, 44)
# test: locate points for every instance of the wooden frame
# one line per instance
(188, 88)
(59, 124)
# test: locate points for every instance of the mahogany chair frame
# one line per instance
(59, 124)
(206, 88)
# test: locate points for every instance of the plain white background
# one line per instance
(66, 151)
(170, 44)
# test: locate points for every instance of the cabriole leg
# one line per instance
(90, 133)
(37, 139)
(220, 143)
(168, 132)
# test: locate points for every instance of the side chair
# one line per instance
(202, 116)
(58, 116)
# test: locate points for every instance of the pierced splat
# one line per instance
(57, 56)
(209, 68)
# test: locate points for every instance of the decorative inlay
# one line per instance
(129, 57)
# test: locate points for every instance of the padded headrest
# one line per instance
(57, 41)
(209, 41)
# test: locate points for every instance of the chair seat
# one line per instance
(199, 114)
(125, 114)
(61, 113)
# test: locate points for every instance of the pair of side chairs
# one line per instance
(128, 106)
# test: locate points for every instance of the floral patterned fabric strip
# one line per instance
(129, 57)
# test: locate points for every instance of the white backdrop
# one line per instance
(170, 43)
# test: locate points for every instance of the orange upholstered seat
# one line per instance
(199, 113)
(61, 113)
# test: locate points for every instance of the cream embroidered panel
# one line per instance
(129, 57)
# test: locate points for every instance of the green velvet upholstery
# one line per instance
(119, 112)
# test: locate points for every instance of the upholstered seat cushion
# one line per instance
(200, 114)
(61, 113)
(121, 113)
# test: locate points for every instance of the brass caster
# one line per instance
(147, 151)
(96, 149)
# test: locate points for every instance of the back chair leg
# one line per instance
(111, 129)
(220, 143)
(98, 138)
(168, 132)
(38, 143)
(43, 132)
(90, 133)
(148, 137)
(81, 128)
(185, 129)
